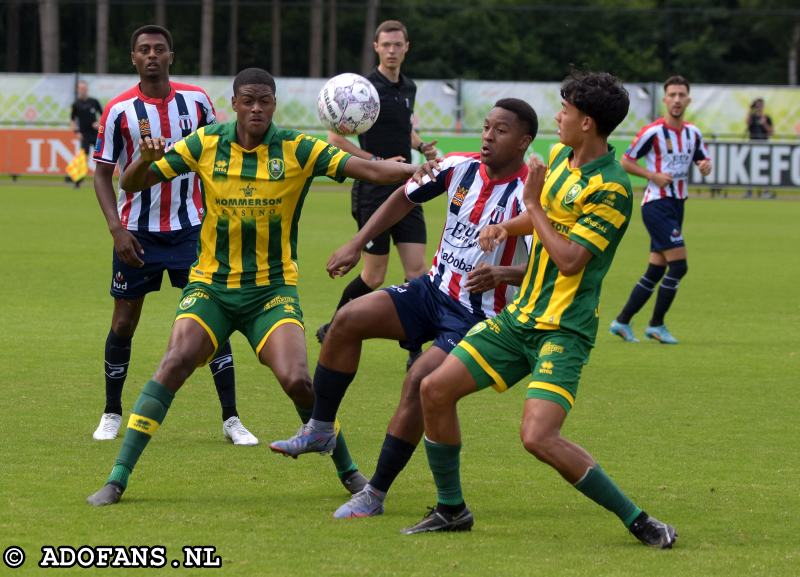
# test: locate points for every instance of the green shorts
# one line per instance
(501, 351)
(253, 311)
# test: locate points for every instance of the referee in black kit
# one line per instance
(391, 138)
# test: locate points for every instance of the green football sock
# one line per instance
(341, 455)
(148, 413)
(599, 487)
(445, 462)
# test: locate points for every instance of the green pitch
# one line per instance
(703, 435)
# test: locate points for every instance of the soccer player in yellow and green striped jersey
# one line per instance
(578, 208)
(255, 177)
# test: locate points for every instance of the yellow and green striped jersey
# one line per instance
(252, 200)
(590, 205)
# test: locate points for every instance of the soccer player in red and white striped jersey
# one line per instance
(670, 145)
(154, 230)
(464, 286)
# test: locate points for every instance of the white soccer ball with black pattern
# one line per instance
(348, 104)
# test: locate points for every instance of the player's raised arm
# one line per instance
(379, 171)
(137, 176)
(396, 207)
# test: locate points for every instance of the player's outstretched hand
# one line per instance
(152, 149)
(492, 236)
(483, 278)
(128, 248)
(661, 179)
(343, 260)
(429, 168)
(532, 191)
(704, 166)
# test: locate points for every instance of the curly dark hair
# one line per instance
(253, 76)
(599, 95)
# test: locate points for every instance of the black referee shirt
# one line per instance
(391, 133)
(85, 113)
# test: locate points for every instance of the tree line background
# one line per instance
(708, 41)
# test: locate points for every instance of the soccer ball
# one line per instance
(348, 104)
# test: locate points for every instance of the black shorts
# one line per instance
(427, 314)
(663, 219)
(367, 198)
(174, 252)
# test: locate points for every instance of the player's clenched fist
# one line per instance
(152, 149)
(492, 236)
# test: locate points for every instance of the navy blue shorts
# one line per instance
(427, 314)
(174, 252)
(664, 221)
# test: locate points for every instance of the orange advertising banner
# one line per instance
(27, 151)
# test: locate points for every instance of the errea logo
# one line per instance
(221, 167)
(546, 368)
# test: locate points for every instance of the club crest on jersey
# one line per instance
(185, 122)
(187, 302)
(144, 128)
(497, 214)
(459, 196)
(276, 168)
(572, 193)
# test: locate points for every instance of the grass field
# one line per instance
(704, 435)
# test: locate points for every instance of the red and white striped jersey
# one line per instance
(168, 206)
(474, 201)
(669, 151)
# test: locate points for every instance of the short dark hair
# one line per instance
(676, 80)
(151, 29)
(253, 76)
(599, 95)
(391, 26)
(524, 112)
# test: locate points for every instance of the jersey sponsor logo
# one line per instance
(572, 193)
(546, 368)
(456, 262)
(549, 348)
(562, 228)
(461, 235)
(276, 168)
(476, 329)
(248, 190)
(248, 201)
(675, 235)
(119, 282)
(594, 224)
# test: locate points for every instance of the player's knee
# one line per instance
(123, 326)
(374, 277)
(345, 323)
(432, 394)
(537, 442)
(176, 366)
(678, 269)
(298, 388)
